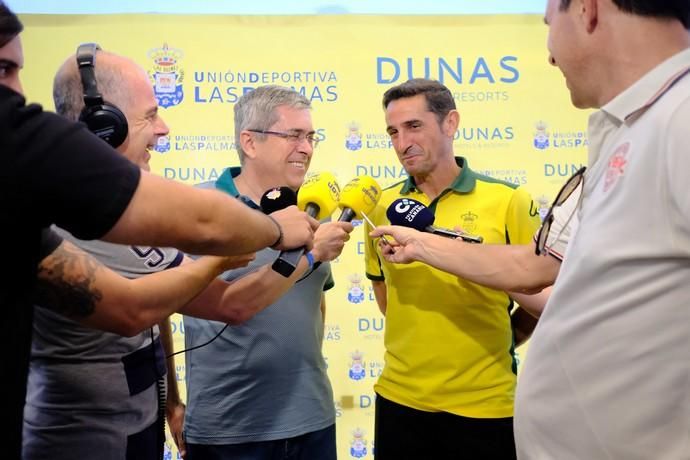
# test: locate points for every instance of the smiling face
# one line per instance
(285, 161)
(419, 140)
(145, 124)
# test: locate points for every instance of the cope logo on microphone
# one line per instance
(408, 207)
(372, 194)
(370, 190)
(310, 180)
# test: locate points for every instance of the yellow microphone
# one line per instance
(360, 195)
(318, 196)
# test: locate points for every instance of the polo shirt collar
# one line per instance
(648, 90)
(226, 183)
(464, 183)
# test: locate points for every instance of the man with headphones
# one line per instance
(89, 390)
(55, 171)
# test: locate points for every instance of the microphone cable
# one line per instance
(200, 345)
(161, 398)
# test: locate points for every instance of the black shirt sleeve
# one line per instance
(62, 173)
(51, 171)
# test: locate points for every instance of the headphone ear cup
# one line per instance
(107, 122)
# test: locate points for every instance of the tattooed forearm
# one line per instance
(66, 282)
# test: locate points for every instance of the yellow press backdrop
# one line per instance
(517, 123)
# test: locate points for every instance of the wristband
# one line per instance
(280, 232)
(312, 266)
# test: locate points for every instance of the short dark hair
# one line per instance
(670, 9)
(439, 99)
(10, 25)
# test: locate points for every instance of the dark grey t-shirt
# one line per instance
(90, 390)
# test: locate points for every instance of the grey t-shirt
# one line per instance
(88, 390)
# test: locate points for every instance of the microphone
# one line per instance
(360, 195)
(411, 213)
(318, 196)
(277, 198)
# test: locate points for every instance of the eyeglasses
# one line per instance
(568, 188)
(294, 137)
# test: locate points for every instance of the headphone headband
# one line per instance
(103, 119)
(86, 60)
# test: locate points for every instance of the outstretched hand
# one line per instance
(407, 247)
(232, 262)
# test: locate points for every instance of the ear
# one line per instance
(589, 13)
(451, 123)
(248, 144)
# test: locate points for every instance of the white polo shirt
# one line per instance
(607, 375)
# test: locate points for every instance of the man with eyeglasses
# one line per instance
(260, 389)
(608, 370)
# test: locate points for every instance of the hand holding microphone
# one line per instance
(411, 213)
(410, 245)
(360, 195)
(413, 232)
(296, 228)
(318, 196)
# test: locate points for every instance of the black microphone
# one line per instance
(278, 198)
(287, 261)
(411, 213)
(274, 200)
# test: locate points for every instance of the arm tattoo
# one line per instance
(65, 282)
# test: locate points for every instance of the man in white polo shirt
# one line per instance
(607, 374)
(608, 370)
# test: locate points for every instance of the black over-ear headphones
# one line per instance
(104, 120)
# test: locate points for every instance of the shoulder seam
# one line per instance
(492, 180)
